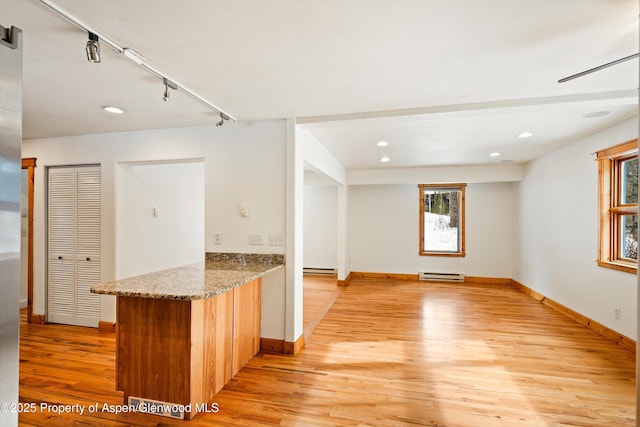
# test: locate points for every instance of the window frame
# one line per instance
(461, 218)
(610, 209)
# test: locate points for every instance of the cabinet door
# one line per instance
(61, 228)
(246, 323)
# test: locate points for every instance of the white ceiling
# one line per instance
(444, 82)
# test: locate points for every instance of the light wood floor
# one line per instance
(386, 354)
(320, 292)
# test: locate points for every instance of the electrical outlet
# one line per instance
(275, 240)
(617, 312)
(256, 239)
(217, 238)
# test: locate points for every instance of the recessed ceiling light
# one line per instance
(525, 135)
(595, 114)
(495, 154)
(385, 159)
(382, 143)
(112, 109)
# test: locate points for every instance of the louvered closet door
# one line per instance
(88, 219)
(60, 289)
(74, 245)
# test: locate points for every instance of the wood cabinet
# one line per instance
(184, 351)
(246, 324)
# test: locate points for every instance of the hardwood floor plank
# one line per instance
(320, 292)
(387, 353)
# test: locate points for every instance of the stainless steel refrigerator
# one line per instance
(10, 181)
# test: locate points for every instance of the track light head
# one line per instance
(93, 48)
(223, 117)
(167, 84)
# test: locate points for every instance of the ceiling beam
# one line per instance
(622, 97)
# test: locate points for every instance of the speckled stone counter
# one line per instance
(184, 332)
(219, 273)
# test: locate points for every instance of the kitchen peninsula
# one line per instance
(182, 333)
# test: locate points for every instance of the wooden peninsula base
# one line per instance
(183, 352)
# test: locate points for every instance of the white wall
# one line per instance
(294, 243)
(304, 151)
(557, 233)
(320, 226)
(244, 163)
(384, 231)
(328, 169)
(319, 158)
(174, 236)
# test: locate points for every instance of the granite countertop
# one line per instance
(217, 274)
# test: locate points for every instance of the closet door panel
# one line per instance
(60, 292)
(89, 213)
(88, 220)
(61, 213)
(61, 228)
(87, 305)
(74, 245)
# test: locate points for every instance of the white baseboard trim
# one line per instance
(24, 303)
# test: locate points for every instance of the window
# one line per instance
(442, 219)
(618, 199)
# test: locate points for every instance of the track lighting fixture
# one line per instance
(93, 48)
(223, 117)
(93, 55)
(165, 96)
(168, 84)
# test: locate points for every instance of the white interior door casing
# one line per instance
(74, 222)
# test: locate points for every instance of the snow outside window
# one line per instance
(442, 219)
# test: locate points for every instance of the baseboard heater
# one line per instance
(323, 271)
(440, 277)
